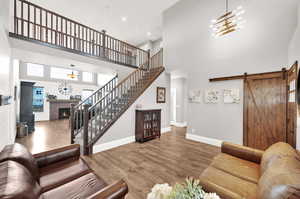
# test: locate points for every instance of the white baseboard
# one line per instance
(116, 143)
(205, 140)
(165, 130)
(113, 144)
(179, 124)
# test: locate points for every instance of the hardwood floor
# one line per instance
(48, 135)
(168, 160)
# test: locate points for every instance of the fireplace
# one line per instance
(56, 104)
(63, 113)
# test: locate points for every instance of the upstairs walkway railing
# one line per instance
(37, 24)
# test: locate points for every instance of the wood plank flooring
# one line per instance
(168, 160)
(48, 135)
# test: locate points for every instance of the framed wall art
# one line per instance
(161, 95)
(195, 96)
(212, 96)
(232, 96)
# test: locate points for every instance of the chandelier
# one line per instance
(72, 75)
(229, 22)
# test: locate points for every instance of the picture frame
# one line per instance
(212, 96)
(195, 96)
(231, 96)
(160, 95)
(5, 100)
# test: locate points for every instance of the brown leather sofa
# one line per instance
(244, 173)
(55, 174)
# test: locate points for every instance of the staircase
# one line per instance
(90, 121)
(91, 118)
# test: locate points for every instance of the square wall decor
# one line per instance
(232, 96)
(212, 96)
(195, 96)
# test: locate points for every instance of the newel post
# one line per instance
(86, 150)
(72, 122)
(104, 42)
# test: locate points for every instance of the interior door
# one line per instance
(265, 110)
(292, 75)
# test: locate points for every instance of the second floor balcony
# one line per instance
(40, 25)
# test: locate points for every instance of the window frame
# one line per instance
(29, 65)
(66, 74)
(87, 81)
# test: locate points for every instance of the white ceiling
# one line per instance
(266, 37)
(143, 16)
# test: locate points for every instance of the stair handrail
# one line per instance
(115, 88)
(106, 102)
(77, 117)
(145, 67)
(100, 90)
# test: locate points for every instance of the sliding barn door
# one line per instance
(265, 110)
(292, 75)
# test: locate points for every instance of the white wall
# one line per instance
(125, 125)
(294, 47)
(7, 113)
(189, 47)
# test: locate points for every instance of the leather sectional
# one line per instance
(59, 174)
(244, 173)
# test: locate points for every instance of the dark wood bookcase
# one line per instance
(147, 125)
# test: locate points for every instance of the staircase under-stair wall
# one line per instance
(123, 130)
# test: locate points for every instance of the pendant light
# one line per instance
(72, 75)
(229, 22)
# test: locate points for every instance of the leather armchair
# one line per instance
(240, 172)
(58, 173)
(242, 152)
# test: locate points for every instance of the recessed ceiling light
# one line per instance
(124, 18)
(149, 33)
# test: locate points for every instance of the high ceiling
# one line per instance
(142, 16)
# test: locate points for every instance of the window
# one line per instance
(62, 73)
(104, 78)
(87, 77)
(35, 70)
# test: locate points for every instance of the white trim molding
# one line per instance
(205, 140)
(113, 144)
(165, 130)
(179, 124)
(116, 143)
